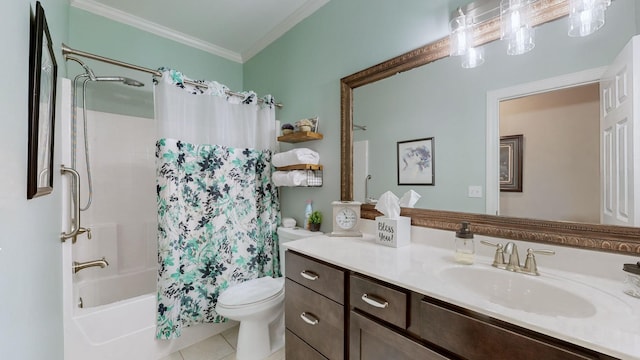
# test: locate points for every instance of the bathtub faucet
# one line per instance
(77, 266)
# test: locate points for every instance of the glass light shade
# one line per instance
(586, 16)
(515, 26)
(522, 42)
(473, 57)
(514, 14)
(461, 37)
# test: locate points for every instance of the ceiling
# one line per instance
(233, 29)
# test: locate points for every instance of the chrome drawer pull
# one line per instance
(309, 275)
(373, 301)
(309, 318)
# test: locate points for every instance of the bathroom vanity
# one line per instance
(348, 298)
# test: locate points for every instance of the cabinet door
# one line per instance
(473, 338)
(315, 319)
(298, 349)
(371, 341)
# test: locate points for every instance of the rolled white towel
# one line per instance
(295, 157)
(289, 178)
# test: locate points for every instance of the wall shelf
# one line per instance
(300, 136)
(300, 167)
(314, 173)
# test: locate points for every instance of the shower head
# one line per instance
(124, 80)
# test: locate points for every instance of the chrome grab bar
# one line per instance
(76, 229)
(75, 219)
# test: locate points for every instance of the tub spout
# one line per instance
(77, 266)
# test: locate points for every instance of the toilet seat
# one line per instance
(252, 292)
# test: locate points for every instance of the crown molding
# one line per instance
(156, 29)
(292, 20)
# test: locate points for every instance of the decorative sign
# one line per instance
(393, 232)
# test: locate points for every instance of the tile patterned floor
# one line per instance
(218, 347)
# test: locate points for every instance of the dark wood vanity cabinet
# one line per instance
(370, 340)
(314, 309)
(381, 325)
(376, 320)
(475, 336)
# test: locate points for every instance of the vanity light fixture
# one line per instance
(461, 40)
(516, 18)
(586, 16)
(515, 26)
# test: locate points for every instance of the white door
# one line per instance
(618, 128)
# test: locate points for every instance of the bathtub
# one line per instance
(117, 319)
(123, 329)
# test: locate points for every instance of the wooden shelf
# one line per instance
(300, 167)
(300, 136)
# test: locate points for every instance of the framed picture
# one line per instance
(416, 162)
(511, 163)
(42, 101)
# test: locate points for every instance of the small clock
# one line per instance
(346, 217)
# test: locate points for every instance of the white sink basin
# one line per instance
(519, 291)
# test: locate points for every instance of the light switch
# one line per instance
(475, 191)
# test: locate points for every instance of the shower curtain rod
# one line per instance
(66, 50)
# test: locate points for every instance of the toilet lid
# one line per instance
(251, 292)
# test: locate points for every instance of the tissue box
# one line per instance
(393, 232)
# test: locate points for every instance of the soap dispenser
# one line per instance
(465, 247)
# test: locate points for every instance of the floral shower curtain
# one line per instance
(217, 207)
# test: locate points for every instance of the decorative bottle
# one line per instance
(307, 213)
(465, 247)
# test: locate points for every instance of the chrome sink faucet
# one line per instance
(530, 267)
(514, 257)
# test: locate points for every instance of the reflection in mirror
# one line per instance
(444, 101)
(561, 157)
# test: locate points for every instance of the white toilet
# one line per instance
(259, 306)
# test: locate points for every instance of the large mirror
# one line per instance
(413, 97)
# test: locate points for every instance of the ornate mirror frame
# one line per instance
(590, 236)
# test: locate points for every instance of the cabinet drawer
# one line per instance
(379, 300)
(324, 325)
(298, 349)
(472, 338)
(325, 279)
(369, 340)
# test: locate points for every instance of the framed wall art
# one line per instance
(42, 102)
(416, 162)
(511, 163)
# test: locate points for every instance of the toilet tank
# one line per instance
(290, 234)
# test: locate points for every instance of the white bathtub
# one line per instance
(118, 318)
(111, 289)
(123, 329)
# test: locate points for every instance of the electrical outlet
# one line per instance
(475, 191)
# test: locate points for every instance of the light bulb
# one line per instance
(586, 16)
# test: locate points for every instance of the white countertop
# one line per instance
(613, 328)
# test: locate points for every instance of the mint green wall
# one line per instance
(101, 36)
(30, 259)
(303, 70)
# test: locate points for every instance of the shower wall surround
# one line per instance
(122, 216)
